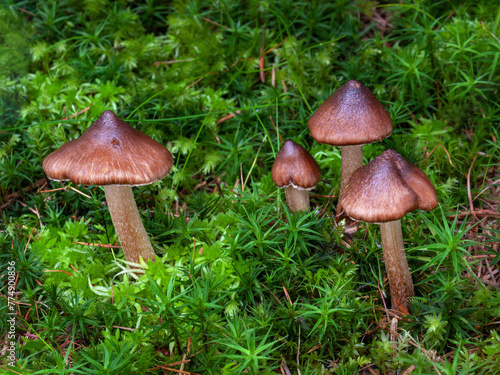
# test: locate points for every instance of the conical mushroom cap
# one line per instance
(295, 166)
(386, 189)
(109, 152)
(351, 116)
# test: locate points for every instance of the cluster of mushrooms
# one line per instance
(383, 191)
(116, 156)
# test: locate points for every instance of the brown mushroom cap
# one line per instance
(351, 116)
(386, 189)
(295, 166)
(109, 152)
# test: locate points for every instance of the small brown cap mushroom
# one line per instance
(351, 116)
(386, 189)
(109, 152)
(295, 166)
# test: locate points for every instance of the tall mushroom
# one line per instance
(113, 154)
(383, 191)
(297, 171)
(350, 118)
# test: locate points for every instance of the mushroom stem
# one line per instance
(297, 199)
(352, 159)
(396, 265)
(128, 224)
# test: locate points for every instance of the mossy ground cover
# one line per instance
(241, 284)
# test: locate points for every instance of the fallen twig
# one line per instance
(108, 246)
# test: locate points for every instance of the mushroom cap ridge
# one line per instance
(295, 166)
(109, 152)
(350, 116)
(386, 189)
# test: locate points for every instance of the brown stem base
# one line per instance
(128, 224)
(396, 265)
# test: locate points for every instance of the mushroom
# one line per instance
(297, 171)
(350, 118)
(113, 154)
(383, 191)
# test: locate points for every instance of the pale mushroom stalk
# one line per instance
(352, 159)
(128, 224)
(297, 199)
(396, 265)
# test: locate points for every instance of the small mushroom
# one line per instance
(350, 118)
(113, 154)
(383, 191)
(297, 171)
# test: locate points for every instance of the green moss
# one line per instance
(240, 283)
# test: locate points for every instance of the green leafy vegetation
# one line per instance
(241, 284)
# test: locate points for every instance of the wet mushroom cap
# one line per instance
(295, 166)
(109, 152)
(386, 189)
(351, 116)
